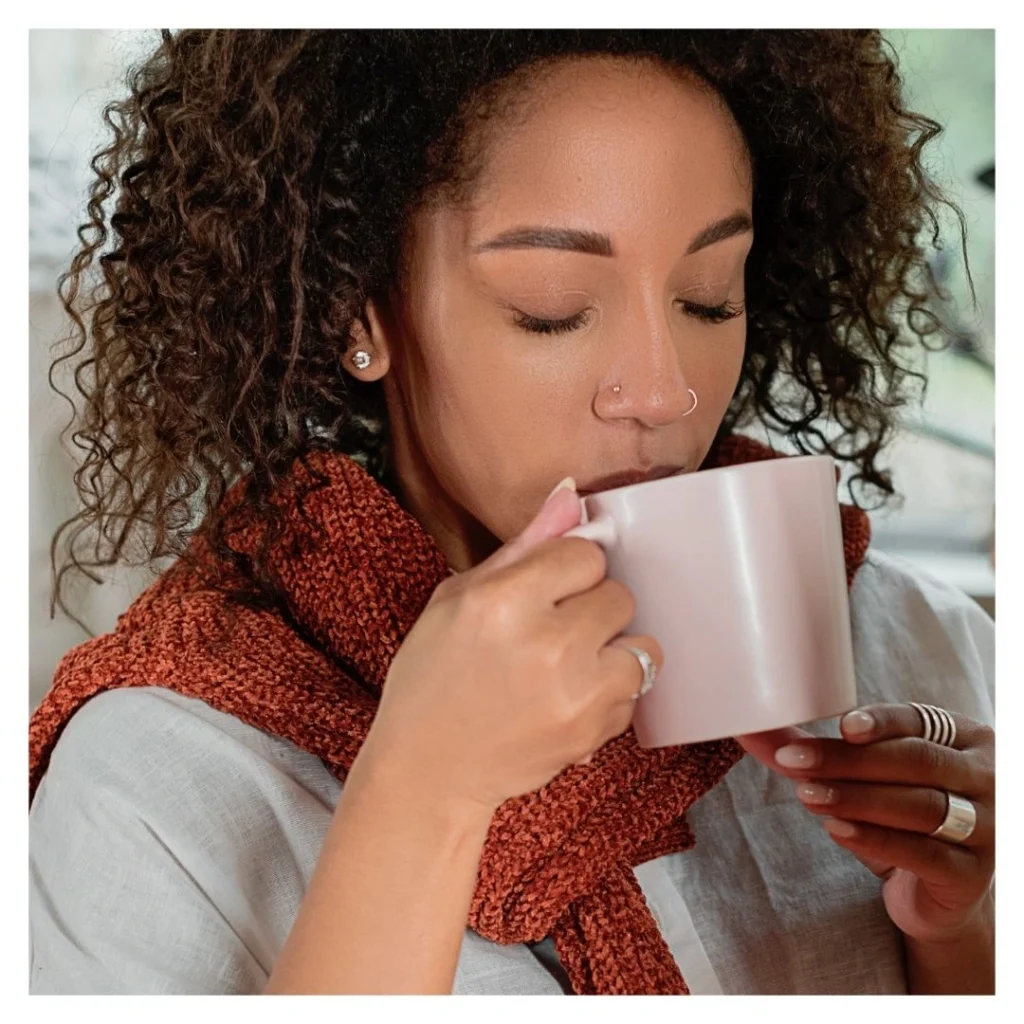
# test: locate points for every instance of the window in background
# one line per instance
(943, 461)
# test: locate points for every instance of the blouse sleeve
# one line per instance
(918, 638)
(162, 856)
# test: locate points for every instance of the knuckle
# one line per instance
(623, 596)
(979, 776)
(934, 853)
(626, 674)
(987, 780)
(449, 591)
(552, 655)
(935, 808)
(590, 554)
(565, 709)
(489, 604)
(563, 714)
(885, 840)
(884, 714)
(932, 759)
(986, 737)
(472, 601)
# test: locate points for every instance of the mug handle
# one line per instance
(600, 529)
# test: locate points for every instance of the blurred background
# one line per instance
(942, 461)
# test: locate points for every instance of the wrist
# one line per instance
(958, 962)
(979, 924)
(390, 780)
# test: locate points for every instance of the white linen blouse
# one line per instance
(171, 844)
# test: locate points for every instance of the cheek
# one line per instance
(500, 432)
(719, 364)
(500, 388)
(483, 417)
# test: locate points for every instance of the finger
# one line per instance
(911, 808)
(551, 571)
(763, 745)
(627, 674)
(907, 761)
(875, 722)
(598, 615)
(560, 512)
(933, 861)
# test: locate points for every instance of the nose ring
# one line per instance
(618, 388)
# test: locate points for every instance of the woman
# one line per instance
(367, 297)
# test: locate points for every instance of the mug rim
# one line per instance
(781, 459)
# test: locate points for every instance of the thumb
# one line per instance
(762, 745)
(560, 512)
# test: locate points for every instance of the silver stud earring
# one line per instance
(362, 360)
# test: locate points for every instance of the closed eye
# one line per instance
(537, 326)
(714, 314)
(709, 314)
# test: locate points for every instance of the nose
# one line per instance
(653, 388)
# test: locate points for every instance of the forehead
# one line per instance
(614, 143)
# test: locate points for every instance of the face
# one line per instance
(563, 324)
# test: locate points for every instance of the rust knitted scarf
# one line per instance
(557, 861)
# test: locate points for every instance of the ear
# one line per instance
(369, 334)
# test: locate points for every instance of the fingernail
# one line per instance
(842, 829)
(795, 756)
(569, 483)
(812, 793)
(858, 723)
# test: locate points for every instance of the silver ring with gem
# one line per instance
(650, 669)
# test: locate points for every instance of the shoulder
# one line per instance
(891, 577)
(169, 847)
(147, 740)
(917, 637)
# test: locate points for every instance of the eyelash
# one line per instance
(709, 314)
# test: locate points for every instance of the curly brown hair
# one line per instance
(253, 199)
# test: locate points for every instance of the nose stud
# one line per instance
(693, 394)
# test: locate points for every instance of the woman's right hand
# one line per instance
(514, 670)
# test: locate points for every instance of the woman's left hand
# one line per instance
(881, 791)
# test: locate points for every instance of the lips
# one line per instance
(627, 477)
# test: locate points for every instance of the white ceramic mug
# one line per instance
(739, 574)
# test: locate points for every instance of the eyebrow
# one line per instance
(593, 243)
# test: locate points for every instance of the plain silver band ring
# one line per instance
(960, 821)
(939, 726)
(647, 664)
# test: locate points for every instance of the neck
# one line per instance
(464, 541)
